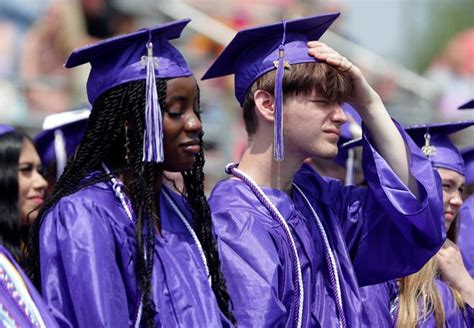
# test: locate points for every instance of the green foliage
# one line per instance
(446, 19)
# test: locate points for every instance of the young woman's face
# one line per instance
(31, 184)
(181, 125)
(453, 185)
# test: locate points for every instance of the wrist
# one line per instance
(466, 288)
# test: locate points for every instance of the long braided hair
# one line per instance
(104, 141)
(202, 225)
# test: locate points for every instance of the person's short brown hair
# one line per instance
(300, 79)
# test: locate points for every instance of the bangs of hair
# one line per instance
(306, 78)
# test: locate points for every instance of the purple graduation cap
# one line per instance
(5, 128)
(468, 157)
(256, 51)
(62, 133)
(468, 105)
(435, 143)
(143, 55)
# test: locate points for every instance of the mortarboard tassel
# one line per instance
(280, 64)
(152, 141)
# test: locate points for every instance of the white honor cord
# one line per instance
(326, 241)
(299, 275)
(191, 231)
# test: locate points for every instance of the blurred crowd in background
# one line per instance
(428, 75)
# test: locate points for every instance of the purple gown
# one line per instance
(87, 246)
(377, 300)
(377, 234)
(466, 234)
(18, 305)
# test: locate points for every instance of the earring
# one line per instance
(127, 144)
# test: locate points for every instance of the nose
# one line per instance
(39, 183)
(456, 199)
(193, 124)
(339, 116)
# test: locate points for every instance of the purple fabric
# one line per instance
(87, 246)
(377, 298)
(468, 157)
(118, 60)
(4, 128)
(362, 225)
(446, 153)
(72, 133)
(468, 105)
(51, 317)
(466, 234)
(252, 51)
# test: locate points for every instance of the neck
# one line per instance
(258, 163)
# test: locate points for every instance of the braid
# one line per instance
(194, 182)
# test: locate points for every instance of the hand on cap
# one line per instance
(363, 95)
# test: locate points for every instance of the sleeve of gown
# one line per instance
(389, 233)
(468, 315)
(79, 272)
(252, 269)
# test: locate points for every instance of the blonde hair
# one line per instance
(418, 294)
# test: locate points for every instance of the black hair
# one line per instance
(10, 232)
(104, 140)
(202, 224)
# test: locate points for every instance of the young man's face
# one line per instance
(312, 126)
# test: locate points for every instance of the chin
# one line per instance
(179, 167)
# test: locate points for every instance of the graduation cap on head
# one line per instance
(468, 105)
(62, 133)
(256, 51)
(433, 139)
(5, 128)
(468, 157)
(143, 55)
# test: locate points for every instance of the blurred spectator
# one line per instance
(48, 87)
(453, 69)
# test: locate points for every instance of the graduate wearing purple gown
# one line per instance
(118, 245)
(88, 257)
(20, 303)
(294, 252)
(381, 301)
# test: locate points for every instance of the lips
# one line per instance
(191, 146)
(37, 199)
(333, 132)
(449, 215)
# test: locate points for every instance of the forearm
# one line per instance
(388, 141)
(466, 289)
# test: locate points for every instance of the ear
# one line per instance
(264, 105)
